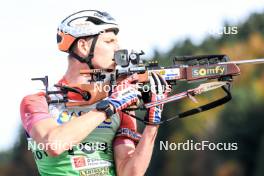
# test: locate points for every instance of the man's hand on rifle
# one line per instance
(159, 89)
(125, 94)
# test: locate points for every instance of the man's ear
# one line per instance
(83, 46)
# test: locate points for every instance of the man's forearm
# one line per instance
(145, 147)
(139, 162)
(74, 131)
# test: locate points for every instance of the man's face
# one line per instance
(105, 47)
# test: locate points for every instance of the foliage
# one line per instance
(239, 121)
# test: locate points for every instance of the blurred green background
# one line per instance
(240, 121)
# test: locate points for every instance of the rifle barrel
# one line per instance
(251, 61)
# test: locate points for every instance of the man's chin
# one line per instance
(113, 66)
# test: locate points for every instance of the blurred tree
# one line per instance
(239, 121)
(22, 162)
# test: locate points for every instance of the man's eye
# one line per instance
(110, 40)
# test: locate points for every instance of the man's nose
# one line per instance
(117, 47)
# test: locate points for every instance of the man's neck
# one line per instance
(72, 74)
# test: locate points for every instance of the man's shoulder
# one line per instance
(31, 98)
(33, 102)
(33, 107)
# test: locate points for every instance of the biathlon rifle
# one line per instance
(218, 70)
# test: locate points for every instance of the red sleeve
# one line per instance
(127, 121)
(32, 109)
(127, 132)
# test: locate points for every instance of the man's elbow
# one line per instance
(53, 146)
(54, 153)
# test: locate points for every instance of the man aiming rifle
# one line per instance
(92, 131)
(109, 136)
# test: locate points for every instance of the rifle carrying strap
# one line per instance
(193, 111)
